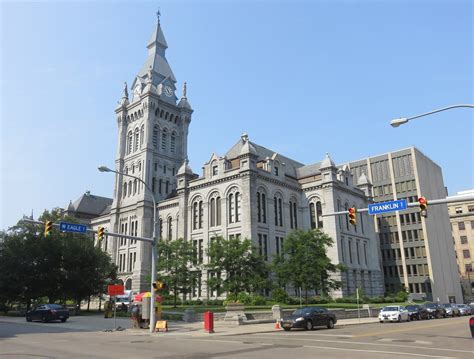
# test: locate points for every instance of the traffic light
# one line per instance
(157, 286)
(100, 233)
(48, 225)
(352, 216)
(423, 206)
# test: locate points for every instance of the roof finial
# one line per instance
(184, 90)
(158, 14)
(150, 74)
(125, 90)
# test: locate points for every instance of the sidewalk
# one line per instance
(196, 329)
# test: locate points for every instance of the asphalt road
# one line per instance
(444, 338)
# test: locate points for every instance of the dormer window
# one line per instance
(275, 171)
(215, 170)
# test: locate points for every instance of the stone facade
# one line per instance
(250, 192)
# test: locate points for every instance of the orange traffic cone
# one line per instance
(277, 325)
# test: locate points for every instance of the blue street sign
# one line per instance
(391, 206)
(72, 227)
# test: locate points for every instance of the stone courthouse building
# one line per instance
(249, 192)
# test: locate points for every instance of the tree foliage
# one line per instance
(174, 258)
(61, 266)
(236, 266)
(304, 263)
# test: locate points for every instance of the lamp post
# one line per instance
(400, 121)
(153, 249)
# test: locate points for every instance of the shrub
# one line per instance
(280, 296)
(258, 300)
(401, 296)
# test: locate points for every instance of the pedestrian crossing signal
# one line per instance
(157, 286)
(352, 216)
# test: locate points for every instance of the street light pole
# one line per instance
(400, 121)
(153, 248)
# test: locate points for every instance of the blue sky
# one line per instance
(301, 77)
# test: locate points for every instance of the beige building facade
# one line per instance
(461, 215)
(417, 253)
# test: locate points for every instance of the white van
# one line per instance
(122, 302)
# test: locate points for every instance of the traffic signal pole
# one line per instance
(412, 204)
(112, 234)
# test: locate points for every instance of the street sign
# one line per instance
(72, 227)
(115, 289)
(391, 206)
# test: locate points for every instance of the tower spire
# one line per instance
(158, 14)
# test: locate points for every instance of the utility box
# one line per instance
(146, 308)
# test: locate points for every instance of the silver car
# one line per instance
(451, 310)
(464, 309)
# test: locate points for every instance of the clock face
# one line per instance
(168, 91)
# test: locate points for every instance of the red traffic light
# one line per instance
(422, 200)
(352, 216)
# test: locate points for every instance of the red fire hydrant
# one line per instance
(209, 322)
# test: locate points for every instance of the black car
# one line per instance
(417, 312)
(47, 313)
(435, 310)
(309, 317)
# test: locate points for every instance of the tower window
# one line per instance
(164, 139)
(137, 139)
(155, 137)
(130, 142)
(173, 142)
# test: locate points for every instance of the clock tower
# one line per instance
(152, 145)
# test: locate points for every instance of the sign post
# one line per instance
(114, 290)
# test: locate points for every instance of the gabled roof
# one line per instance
(262, 153)
(90, 204)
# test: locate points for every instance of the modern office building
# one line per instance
(461, 215)
(417, 253)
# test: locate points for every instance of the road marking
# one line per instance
(373, 334)
(378, 351)
(312, 334)
(381, 344)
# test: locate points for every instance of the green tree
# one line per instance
(236, 266)
(304, 263)
(174, 258)
(60, 266)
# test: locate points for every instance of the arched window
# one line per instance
(161, 228)
(215, 211)
(135, 186)
(124, 189)
(293, 215)
(170, 228)
(173, 142)
(155, 137)
(130, 188)
(218, 211)
(261, 207)
(130, 143)
(231, 208)
(167, 185)
(312, 214)
(142, 134)
(198, 213)
(275, 209)
(346, 207)
(137, 139)
(319, 214)
(164, 139)
(237, 207)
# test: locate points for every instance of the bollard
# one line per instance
(209, 322)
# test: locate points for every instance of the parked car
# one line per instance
(394, 313)
(47, 313)
(451, 310)
(417, 312)
(308, 318)
(435, 310)
(464, 309)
